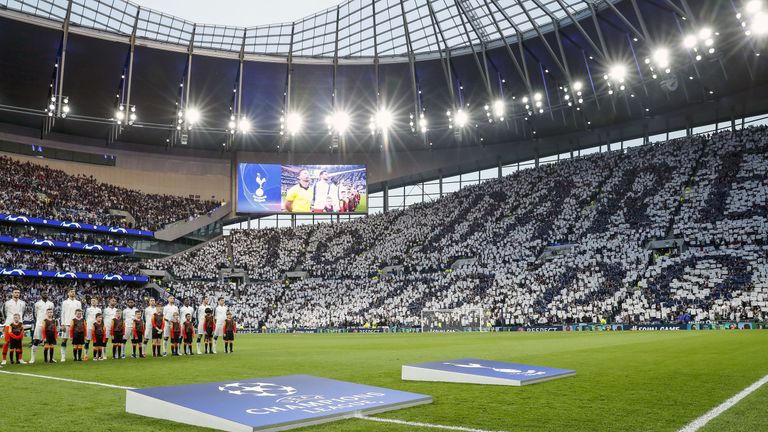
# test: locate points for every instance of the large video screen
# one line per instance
(307, 189)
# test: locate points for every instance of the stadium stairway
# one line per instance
(179, 229)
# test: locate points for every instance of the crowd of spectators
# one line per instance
(33, 232)
(14, 258)
(709, 191)
(31, 189)
(487, 247)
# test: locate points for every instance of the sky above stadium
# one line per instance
(243, 13)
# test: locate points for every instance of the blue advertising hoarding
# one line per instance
(259, 404)
(55, 244)
(302, 189)
(479, 371)
(27, 220)
(73, 275)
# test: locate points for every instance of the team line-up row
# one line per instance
(156, 323)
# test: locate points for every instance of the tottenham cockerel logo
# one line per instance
(258, 389)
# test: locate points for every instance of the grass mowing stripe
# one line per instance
(716, 411)
(68, 380)
(424, 425)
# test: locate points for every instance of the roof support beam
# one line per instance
(289, 72)
(131, 54)
(641, 20)
(578, 26)
(376, 56)
(518, 68)
(625, 20)
(520, 47)
(536, 28)
(241, 61)
(598, 29)
(411, 64)
(335, 58)
(445, 61)
(556, 31)
(677, 9)
(481, 67)
(62, 63)
(188, 80)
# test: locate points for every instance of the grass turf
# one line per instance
(626, 381)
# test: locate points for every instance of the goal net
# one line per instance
(453, 320)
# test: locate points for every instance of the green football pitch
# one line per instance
(626, 381)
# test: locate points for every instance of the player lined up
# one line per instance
(156, 324)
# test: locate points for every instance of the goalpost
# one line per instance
(454, 320)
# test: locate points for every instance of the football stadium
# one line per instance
(384, 215)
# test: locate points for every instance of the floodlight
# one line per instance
(422, 123)
(689, 41)
(760, 23)
(383, 119)
(661, 58)
(461, 118)
(498, 108)
(338, 121)
(193, 116)
(293, 123)
(617, 73)
(244, 125)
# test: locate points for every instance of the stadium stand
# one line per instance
(35, 190)
(66, 262)
(709, 190)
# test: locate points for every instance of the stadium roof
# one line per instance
(452, 57)
(353, 29)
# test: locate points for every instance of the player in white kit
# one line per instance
(90, 318)
(148, 312)
(201, 321)
(184, 310)
(220, 314)
(12, 307)
(41, 312)
(169, 310)
(68, 308)
(128, 314)
(109, 314)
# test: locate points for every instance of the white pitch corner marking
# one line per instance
(716, 411)
(424, 425)
(68, 380)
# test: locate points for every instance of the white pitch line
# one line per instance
(68, 380)
(425, 425)
(716, 411)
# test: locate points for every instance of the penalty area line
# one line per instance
(419, 424)
(716, 411)
(67, 380)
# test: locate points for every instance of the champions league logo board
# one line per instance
(267, 404)
(476, 371)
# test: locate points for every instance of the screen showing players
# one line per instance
(307, 189)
